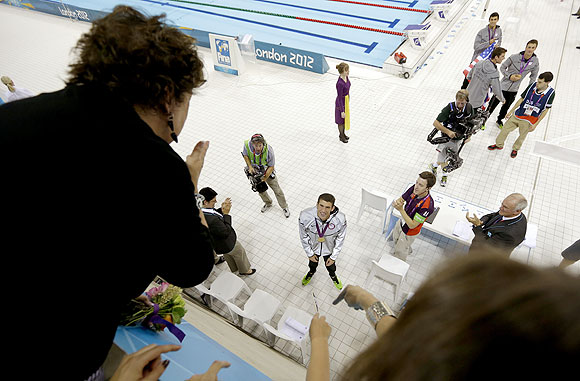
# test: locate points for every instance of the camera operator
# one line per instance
(259, 158)
(449, 122)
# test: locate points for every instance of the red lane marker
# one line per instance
(351, 26)
(382, 6)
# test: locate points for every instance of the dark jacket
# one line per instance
(499, 236)
(222, 233)
(95, 206)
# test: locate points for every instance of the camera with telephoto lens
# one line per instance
(256, 180)
(463, 131)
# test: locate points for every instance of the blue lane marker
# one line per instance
(398, 1)
(368, 48)
(371, 47)
(326, 11)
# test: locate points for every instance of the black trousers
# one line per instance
(313, 265)
(509, 96)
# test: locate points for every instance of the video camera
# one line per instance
(256, 181)
(463, 131)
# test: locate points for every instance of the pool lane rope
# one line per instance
(293, 17)
(382, 6)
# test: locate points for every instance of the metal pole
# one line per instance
(485, 9)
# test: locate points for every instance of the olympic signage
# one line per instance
(296, 58)
(61, 9)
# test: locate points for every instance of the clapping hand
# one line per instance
(227, 205)
(474, 220)
(399, 204)
(195, 160)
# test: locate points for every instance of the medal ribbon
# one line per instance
(489, 33)
(522, 68)
(318, 229)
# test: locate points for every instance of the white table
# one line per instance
(451, 213)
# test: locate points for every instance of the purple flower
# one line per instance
(157, 290)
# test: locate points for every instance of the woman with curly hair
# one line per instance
(97, 201)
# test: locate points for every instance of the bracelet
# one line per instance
(376, 312)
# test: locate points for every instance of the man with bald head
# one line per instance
(502, 231)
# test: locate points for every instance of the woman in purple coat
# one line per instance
(340, 106)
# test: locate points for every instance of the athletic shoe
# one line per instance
(443, 181)
(433, 169)
(306, 279)
(337, 282)
(514, 153)
(493, 147)
(499, 124)
(286, 212)
(265, 207)
(482, 127)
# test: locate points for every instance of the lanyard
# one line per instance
(539, 100)
(489, 34)
(496, 219)
(522, 68)
(458, 115)
(321, 234)
(418, 205)
(258, 158)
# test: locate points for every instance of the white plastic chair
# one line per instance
(261, 308)
(375, 200)
(390, 269)
(530, 241)
(225, 288)
(297, 315)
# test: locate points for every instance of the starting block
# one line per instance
(417, 33)
(441, 9)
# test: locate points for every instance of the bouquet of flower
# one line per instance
(165, 308)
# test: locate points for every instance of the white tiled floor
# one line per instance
(391, 118)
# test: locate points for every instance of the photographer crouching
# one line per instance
(260, 160)
(456, 123)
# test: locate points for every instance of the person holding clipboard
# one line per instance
(322, 231)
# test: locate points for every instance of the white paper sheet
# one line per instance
(463, 230)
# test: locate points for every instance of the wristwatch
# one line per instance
(199, 199)
(376, 312)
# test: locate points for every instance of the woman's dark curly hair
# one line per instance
(138, 58)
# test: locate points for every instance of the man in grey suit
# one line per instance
(502, 231)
